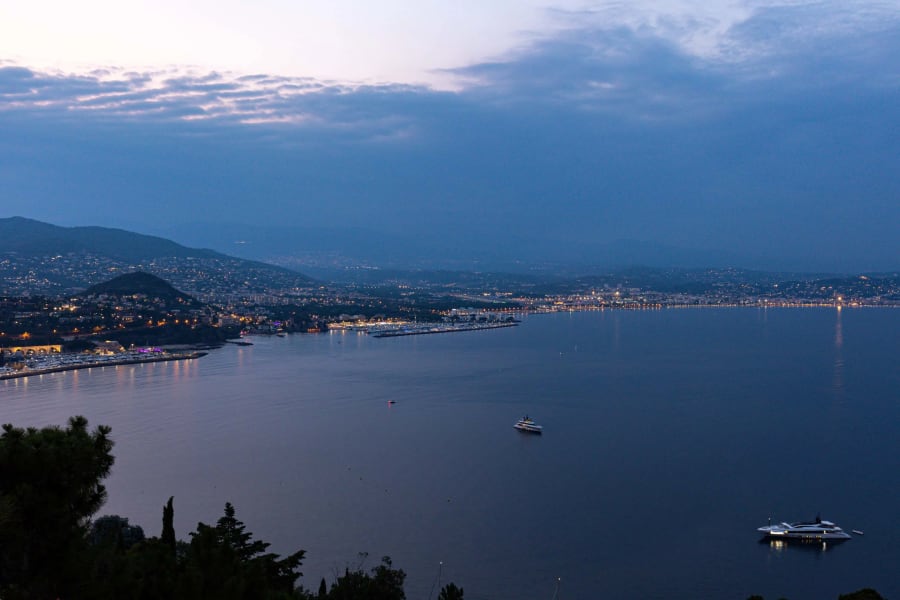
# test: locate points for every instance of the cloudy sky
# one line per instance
(746, 129)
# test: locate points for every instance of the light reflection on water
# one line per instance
(801, 545)
(838, 381)
(669, 437)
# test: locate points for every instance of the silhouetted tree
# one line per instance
(385, 583)
(150, 569)
(863, 594)
(388, 581)
(49, 488)
(352, 585)
(223, 562)
(110, 539)
(451, 592)
(168, 531)
(115, 531)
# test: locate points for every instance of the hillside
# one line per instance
(139, 283)
(27, 236)
(40, 258)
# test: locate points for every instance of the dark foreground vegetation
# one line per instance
(50, 488)
(863, 594)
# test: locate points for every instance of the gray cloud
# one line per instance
(787, 149)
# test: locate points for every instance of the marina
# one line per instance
(71, 362)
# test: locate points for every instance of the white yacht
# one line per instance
(528, 425)
(812, 531)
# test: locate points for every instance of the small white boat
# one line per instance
(528, 425)
(810, 531)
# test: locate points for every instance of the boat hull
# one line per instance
(821, 531)
(807, 537)
(528, 428)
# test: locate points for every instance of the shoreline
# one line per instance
(133, 360)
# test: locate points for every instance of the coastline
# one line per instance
(131, 360)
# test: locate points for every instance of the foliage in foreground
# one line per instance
(50, 486)
(220, 561)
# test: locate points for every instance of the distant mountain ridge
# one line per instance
(40, 258)
(27, 236)
(324, 250)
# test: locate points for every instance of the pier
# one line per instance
(380, 331)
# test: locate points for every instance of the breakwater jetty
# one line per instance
(381, 331)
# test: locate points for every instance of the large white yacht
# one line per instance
(528, 425)
(813, 531)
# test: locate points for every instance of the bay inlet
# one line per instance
(669, 437)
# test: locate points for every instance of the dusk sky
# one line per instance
(756, 130)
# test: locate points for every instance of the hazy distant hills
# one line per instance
(40, 258)
(326, 250)
(26, 236)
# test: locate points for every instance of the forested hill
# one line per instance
(40, 258)
(139, 283)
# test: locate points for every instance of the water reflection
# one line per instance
(183, 369)
(616, 332)
(810, 546)
(838, 331)
(243, 357)
(837, 384)
(277, 439)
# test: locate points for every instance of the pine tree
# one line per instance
(49, 489)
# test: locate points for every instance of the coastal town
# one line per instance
(139, 317)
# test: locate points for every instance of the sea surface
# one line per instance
(669, 437)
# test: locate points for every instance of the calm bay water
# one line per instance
(669, 437)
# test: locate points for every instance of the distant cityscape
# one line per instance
(61, 291)
(231, 296)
